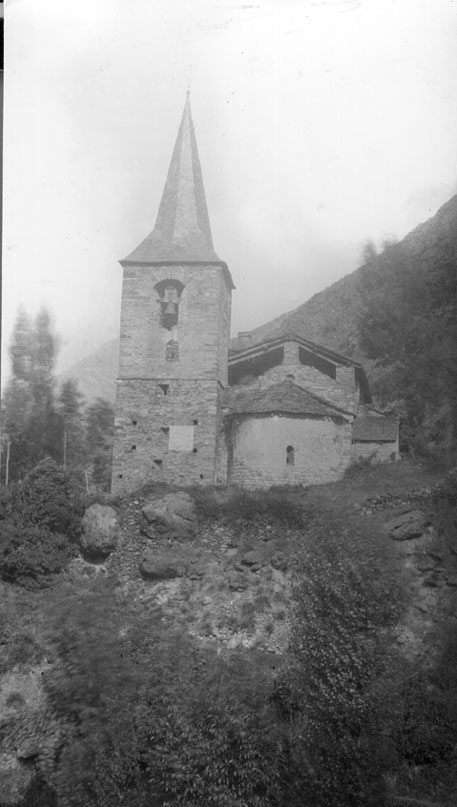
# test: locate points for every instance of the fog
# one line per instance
(319, 125)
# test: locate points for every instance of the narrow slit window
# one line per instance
(290, 455)
(172, 351)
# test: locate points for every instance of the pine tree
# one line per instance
(99, 441)
(70, 407)
(31, 423)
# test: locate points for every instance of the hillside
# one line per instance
(330, 317)
(184, 646)
(96, 373)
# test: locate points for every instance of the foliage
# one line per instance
(445, 510)
(29, 555)
(333, 691)
(99, 441)
(152, 719)
(40, 517)
(408, 325)
(426, 722)
(30, 417)
(71, 414)
(45, 498)
(244, 507)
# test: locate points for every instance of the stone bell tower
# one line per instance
(175, 330)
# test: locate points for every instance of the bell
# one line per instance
(170, 316)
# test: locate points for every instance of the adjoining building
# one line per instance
(191, 411)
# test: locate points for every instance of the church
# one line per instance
(194, 407)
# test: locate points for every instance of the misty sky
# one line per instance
(320, 123)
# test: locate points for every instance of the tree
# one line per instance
(99, 440)
(407, 324)
(31, 420)
(70, 407)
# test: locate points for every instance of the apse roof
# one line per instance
(283, 398)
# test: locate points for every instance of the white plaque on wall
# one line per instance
(181, 438)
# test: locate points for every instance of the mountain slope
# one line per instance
(331, 317)
(96, 373)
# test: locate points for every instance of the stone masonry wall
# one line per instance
(168, 414)
(148, 449)
(202, 331)
(314, 381)
(322, 451)
(379, 452)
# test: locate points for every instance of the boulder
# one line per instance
(408, 525)
(100, 531)
(161, 567)
(172, 515)
(15, 779)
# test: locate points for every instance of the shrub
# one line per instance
(30, 555)
(153, 719)
(46, 498)
(256, 508)
(426, 723)
(333, 691)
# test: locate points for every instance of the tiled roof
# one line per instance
(286, 398)
(182, 232)
(375, 429)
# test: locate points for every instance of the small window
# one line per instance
(290, 455)
(195, 422)
(158, 463)
(134, 422)
(133, 448)
(172, 351)
(164, 388)
(165, 429)
(195, 450)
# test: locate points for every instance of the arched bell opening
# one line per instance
(169, 292)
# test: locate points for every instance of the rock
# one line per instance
(426, 565)
(28, 750)
(279, 561)
(237, 582)
(15, 779)
(100, 534)
(172, 515)
(161, 567)
(433, 580)
(408, 525)
(251, 558)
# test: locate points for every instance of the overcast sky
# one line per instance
(320, 123)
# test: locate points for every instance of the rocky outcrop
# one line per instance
(407, 525)
(100, 531)
(172, 515)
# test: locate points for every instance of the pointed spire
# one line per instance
(182, 232)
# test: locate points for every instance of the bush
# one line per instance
(243, 507)
(153, 719)
(29, 555)
(333, 692)
(45, 498)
